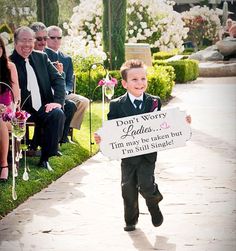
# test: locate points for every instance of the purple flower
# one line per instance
(9, 115)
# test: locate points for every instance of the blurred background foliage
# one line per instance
(23, 12)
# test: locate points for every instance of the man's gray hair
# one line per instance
(38, 26)
(54, 28)
(21, 29)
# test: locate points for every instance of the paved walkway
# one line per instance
(82, 211)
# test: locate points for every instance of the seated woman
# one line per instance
(8, 75)
(229, 23)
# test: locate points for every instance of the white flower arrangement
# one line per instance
(144, 24)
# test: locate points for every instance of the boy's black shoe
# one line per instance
(129, 228)
(157, 217)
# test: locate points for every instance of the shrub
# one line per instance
(160, 82)
(92, 90)
(162, 55)
(185, 70)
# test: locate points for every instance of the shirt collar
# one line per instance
(132, 97)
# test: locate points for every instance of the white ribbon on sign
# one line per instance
(32, 86)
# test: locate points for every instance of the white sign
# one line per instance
(144, 133)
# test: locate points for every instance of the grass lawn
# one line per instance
(39, 178)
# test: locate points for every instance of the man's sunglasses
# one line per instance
(59, 38)
(41, 38)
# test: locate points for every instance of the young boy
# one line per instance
(137, 173)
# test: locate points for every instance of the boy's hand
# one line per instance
(188, 119)
(97, 138)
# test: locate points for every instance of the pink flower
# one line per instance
(9, 115)
(106, 81)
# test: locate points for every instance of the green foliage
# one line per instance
(48, 12)
(161, 81)
(5, 28)
(92, 90)
(162, 55)
(82, 64)
(65, 13)
(17, 13)
(185, 70)
(114, 44)
(8, 30)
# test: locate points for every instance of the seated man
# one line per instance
(70, 107)
(42, 91)
(54, 54)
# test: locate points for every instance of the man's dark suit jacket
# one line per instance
(123, 107)
(47, 76)
(66, 60)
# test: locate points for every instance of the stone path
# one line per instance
(83, 210)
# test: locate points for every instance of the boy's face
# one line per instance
(136, 83)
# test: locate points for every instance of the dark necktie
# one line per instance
(138, 102)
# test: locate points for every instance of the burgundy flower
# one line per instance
(9, 115)
(154, 104)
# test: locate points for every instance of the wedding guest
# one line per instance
(40, 43)
(137, 173)
(232, 31)
(8, 75)
(229, 23)
(42, 91)
(55, 55)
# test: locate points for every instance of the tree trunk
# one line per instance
(48, 12)
(114, 27)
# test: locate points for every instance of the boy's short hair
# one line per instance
(130, 64)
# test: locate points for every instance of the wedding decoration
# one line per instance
(17, 118)
(18, 121)
(107, 84)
